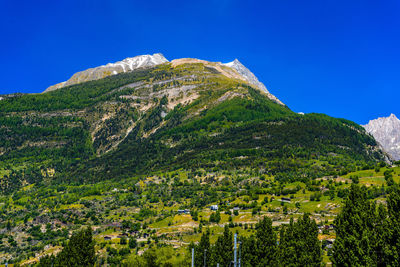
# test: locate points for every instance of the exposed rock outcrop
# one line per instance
(386, 131)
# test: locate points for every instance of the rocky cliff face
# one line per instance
(128, 64)
(386, 131)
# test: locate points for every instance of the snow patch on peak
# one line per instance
(128, 64)
(131, 63)
(248, 76)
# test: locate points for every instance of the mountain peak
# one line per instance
(251, 78)
(125, 65)
(139, 61)
(236, 61)
(386, 130)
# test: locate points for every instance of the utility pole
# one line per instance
(235, 252)
(192, 257)
(240, 253)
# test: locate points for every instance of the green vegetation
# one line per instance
(367, 234)
(78, 252)
(142, 156)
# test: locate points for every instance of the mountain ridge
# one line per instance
(146, 61)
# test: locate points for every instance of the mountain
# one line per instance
(128, 64)
(143, 154)
(204, 117)
(386, 131)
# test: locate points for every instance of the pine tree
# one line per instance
(266, 243)
(80, 249)
(248, 247)
(78, 252)
(222, 252)
(299, 244)
(46, 261)
(132, 242)
(356, 241)
(392, 252)
(203, 248)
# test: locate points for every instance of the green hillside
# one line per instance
(128, 154)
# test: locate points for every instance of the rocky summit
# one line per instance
(128, 64)
(386, 131)
(235, 70)
(251, 78)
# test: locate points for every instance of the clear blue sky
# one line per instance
(336, 57)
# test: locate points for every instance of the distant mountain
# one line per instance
(128, 64)
(386, 131)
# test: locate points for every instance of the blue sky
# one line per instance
(336, 57)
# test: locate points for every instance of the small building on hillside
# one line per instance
(286, 199)
(214, 207)
(185, 211)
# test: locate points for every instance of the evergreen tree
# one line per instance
(203, 248)
(260, 249)
(382, 235)
(392, 252)
(78, 252)
(299, 244)
(248, 256)
(356, 242)
(223, 249)
(46, 261)
(266, 243)
(132, 242)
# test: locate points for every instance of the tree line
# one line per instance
(298, 246)
(367, 234)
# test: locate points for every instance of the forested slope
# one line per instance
(168, 117)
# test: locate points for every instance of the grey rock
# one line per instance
(251, 78)
(386, 131)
